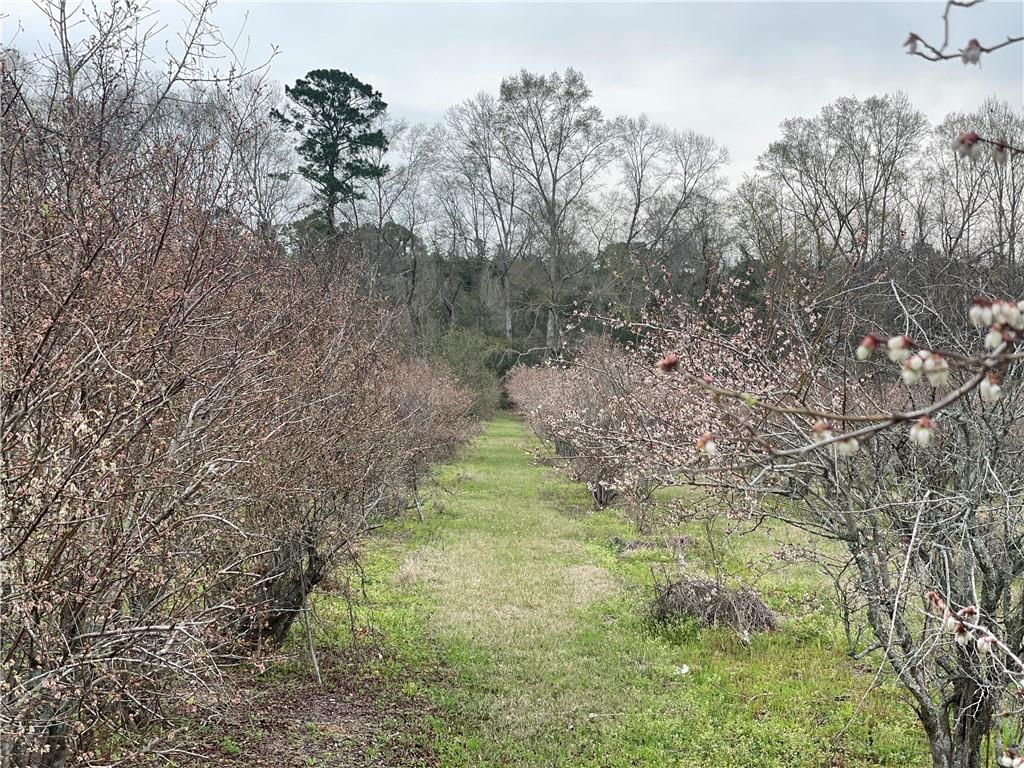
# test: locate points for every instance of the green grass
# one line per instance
(513, 591)
(230, 747)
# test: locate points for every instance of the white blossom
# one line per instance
(937, 370)
(899, 348)
(994, 337)
(972, 53)
(867, 346)
(965, 144)
(847, 447)
(912, 368)
(921, 431)
(949, 621)
(963, 635)
(980, 314)
(984, 644)
(989, 389)
(1007, 313)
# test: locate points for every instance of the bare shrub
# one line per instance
(193, 427)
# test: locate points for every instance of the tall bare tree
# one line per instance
(555, 140)
(477, 157)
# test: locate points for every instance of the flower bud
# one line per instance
(949, 622)
(706, 444)
(1011, 314)
(962, 635)
(935, 602)
(668, 363)
(821, 432)
(921, 432)
(1006, 313)
(980, 313)
(971, 54)
(912, 368)
(966, 143)
(994, 337)
(867, 346)
(984, 644)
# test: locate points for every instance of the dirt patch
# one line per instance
(353, 720)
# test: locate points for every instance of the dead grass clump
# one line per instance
(712, 605)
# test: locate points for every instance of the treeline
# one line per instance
(491, 229)
(195, 425)
(529, 203)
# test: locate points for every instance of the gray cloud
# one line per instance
(732, 70)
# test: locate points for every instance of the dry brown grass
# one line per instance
(497, 594)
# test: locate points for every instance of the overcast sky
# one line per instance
(731, 70)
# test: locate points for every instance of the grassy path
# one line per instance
(513, 589)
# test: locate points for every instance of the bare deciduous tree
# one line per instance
(554, 139)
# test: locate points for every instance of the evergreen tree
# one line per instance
(334, 112)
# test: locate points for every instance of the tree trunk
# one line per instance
(973, 721)
(506, 299)
(554, 276)
(297, 569)
(551, 337)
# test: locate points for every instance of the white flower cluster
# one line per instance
(931, 365)
(971, 146)
(821, 432)
(1003, 323)
(997, 315)
(963, 625)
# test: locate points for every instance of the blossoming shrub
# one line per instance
(906, 451)
(579, 406)
(912, 460)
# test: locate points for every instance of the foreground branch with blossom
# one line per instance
(971, 52)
